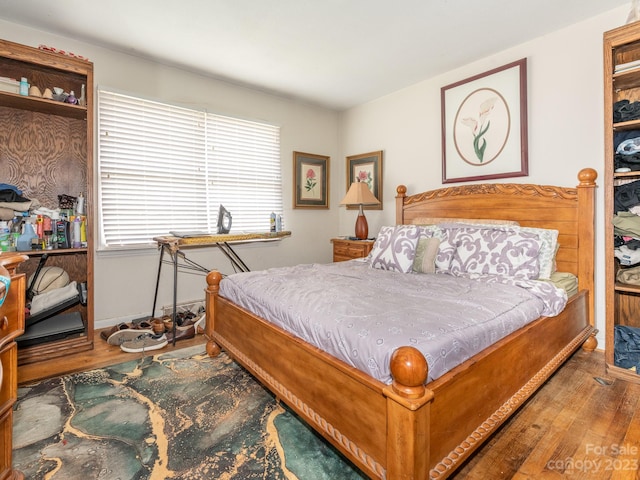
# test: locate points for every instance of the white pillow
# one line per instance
(395, 248)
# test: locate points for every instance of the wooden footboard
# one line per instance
(404, 430)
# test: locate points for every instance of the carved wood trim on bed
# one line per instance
(409, 429)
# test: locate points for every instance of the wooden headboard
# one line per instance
(571, 211)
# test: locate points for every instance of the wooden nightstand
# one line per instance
(344, 249)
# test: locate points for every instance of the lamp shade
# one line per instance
(359, 194)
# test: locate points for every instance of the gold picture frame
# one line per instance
(311, 180)
(366, 167)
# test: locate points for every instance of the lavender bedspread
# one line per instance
(361, 315)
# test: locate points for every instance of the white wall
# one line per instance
(565, 120)
(125, 282)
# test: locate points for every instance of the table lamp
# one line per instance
(359, 194)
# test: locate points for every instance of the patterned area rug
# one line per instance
(176, 415)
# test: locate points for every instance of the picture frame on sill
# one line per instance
(311, 180)
(366, 167)
(484, 125)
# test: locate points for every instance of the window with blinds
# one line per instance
(164, 168)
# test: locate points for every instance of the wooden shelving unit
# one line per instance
(621, 45)
(46, 149)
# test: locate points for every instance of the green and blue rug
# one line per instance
(177, 415)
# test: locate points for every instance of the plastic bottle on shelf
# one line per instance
(76, 232)
(80, 204)
(24, 86)
(24, 240)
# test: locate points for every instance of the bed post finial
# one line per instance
(587, 177)
(409, 370)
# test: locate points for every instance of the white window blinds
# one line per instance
(164, 168)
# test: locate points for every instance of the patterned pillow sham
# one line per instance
(446, 248)
(496, 251)
(395, 248)
(548, 249)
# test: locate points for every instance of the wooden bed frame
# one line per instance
(409, 430)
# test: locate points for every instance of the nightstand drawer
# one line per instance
(350, 249)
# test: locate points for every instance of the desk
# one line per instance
(174, 246)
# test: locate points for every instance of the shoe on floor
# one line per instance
(182, 333)
(200, 323)
(120, 336)
(121, 326)
(144, 342)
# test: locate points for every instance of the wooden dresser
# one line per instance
(11, 326)
(344, 249)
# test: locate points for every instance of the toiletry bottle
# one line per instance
(24, 87)
(80, 204)
(76, 232)
(272, 222)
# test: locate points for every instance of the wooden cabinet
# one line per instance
(621, 83)
(11, 326)
(46, 150)
(344, 249)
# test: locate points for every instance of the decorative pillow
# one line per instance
(395, 248)
(496, 251)
(446, 249)
(426, 251)
(548, 248)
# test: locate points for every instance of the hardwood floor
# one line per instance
(573, 428)
(102, 355)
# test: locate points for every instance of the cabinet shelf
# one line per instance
(630, 125)
(56, 251)
(627, 288)
(627, 79)
(42, 105)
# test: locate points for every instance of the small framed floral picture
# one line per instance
(366, 167)
(311, 180)
(484, 125)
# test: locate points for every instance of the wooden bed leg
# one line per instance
(408, 410)
(213, 286)
(590, 343)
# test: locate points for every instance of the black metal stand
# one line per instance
(180, 262)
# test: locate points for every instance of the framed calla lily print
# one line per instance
(484, 125)
(311, 180)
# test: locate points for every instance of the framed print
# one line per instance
(311, 180)
(366, 167)
(484, 125)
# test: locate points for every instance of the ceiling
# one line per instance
(336, 53)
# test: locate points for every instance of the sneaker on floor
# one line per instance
(120, 336)
(144, 342)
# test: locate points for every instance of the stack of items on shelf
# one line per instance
(26, 225)
(50, 292)
(626, 227)
(155, 333)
